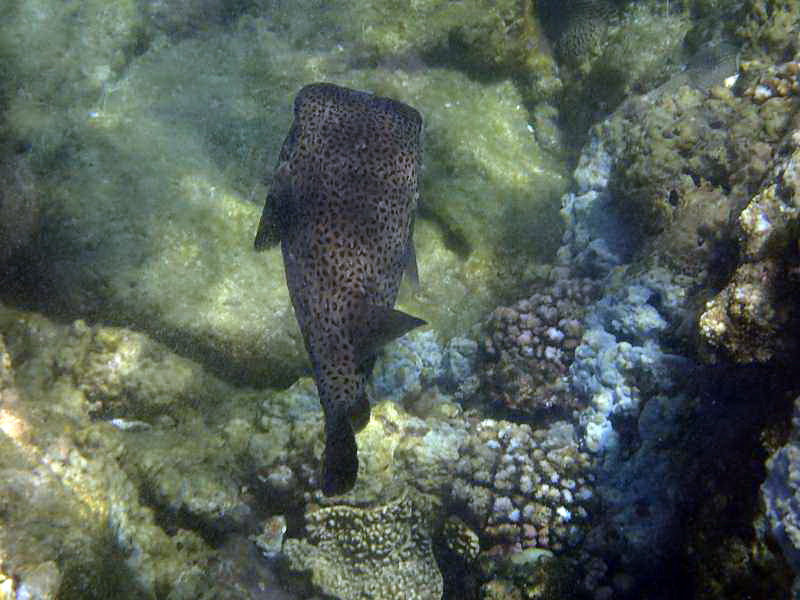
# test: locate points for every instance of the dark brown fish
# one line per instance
(342, 204)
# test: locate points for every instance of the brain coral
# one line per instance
(380, 553)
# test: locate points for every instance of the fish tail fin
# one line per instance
(340, 463)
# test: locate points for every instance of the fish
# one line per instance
(342, 204)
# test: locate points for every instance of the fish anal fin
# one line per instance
(379, 326)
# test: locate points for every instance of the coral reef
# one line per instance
(73, 524)
(529, 346)
(776, 81)
(522, 488)
(385, 552)
(770, 28)
(726, 139)
(106, 465)
(666, 176)
(130, 471)
(419, 374)
(719, 208)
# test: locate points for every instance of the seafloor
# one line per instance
(605, 403)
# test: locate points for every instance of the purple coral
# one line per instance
(528, 347)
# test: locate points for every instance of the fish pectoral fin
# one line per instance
(268, 234)
(277, 215)
(411, 270)
(381, 325)
(340, 463)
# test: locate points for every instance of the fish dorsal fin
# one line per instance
(412, 273)
(278, 210)
(380, 325)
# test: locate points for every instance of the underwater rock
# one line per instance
(384, 553)
(101, 499)
(19, 206)
(503, 36)
(778, 81)
(754, 317)
(72, 518)
(780, 496)
(529, 346)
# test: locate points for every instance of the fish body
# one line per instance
(342, 204)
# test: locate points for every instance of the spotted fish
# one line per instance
(342, 204)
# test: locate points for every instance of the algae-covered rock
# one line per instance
(153, 178)
(609, 52)
(73, 524)
(114, 485)
(771, 27)
(501, 37)
(752, 319)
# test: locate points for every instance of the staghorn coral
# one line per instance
(378, 553)
(529, 346)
